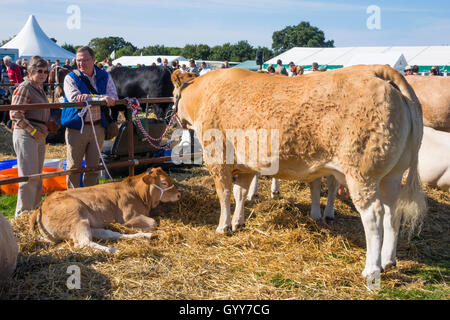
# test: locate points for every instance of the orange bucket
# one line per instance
(48, 185)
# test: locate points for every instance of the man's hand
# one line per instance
(38, 135)
(109, 101)
(82, 97)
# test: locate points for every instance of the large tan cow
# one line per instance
(362, 124)
(83, 213)
(8, 250)
(434, 95)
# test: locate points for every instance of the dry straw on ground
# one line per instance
(281, 253)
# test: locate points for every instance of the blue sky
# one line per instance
(214, 22)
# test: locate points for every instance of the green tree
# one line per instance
(242, 51)
(7, 40)
(125, 51)
(69, 47)
(221, 53)
(301, 35)
(103, 47)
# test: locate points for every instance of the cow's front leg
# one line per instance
(222, 179)
(240, 190)
(253, 189)
(314, 188)
(333, 186)
(141, 222)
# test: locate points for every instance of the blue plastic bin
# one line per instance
(64, 166)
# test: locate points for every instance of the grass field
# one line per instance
(281, 253)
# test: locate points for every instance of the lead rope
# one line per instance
(133, 105)
(81, 115)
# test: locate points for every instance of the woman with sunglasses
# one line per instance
(30, 130)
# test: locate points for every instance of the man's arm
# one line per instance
(71, 91)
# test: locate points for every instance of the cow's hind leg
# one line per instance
(82, 237)
(367, 200)
(112, 235)
(240, 189)
(390, 191)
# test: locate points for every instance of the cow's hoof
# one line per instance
(276, 195)
(223, 230)
(371, 273)
(316, 215)
(329, 215)
(389, 265)
(146, 235)
(237, 227)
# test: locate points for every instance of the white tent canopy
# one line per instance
(414, 55)
(127, 61)
(394, 59)
(32, 41)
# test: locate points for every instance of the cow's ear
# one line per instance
(176, 78)
(149, 178)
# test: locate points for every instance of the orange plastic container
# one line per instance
(48, 185)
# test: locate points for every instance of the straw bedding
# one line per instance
(281, 253)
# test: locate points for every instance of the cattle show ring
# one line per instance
(241, 185)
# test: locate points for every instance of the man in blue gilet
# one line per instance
(86, 83)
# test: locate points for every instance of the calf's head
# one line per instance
(161, 187)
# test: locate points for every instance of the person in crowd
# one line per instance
(67, 64)
(159, 62)
(30, 129)
(193, 67)
(271, 69)
(14, 72)
(415, 70)
(315, 66)
(3, 72)
(300, 70)
(24, 67)
(165, 63)
(183, 68)
(408, 70)
(73, 64)
(280, 69)
(174, 65)
(205, 68)
(110, 66)
(19, 63)
(292, 69)
(88, 83)
(434, 71)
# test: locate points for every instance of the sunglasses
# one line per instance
(42, 71)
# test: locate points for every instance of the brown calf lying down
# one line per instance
(84, 213)
(8, 250)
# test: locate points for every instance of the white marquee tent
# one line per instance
(32, 41)
(423, 56)
(132, 61)
(394, 59)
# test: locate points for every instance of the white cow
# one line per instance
(8, 250)
(434, 158)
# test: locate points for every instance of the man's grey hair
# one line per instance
(7, 58)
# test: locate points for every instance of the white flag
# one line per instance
(113, 55)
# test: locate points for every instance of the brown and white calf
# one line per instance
(83, 214)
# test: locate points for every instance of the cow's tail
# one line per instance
(411, 205)
(34, 218)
